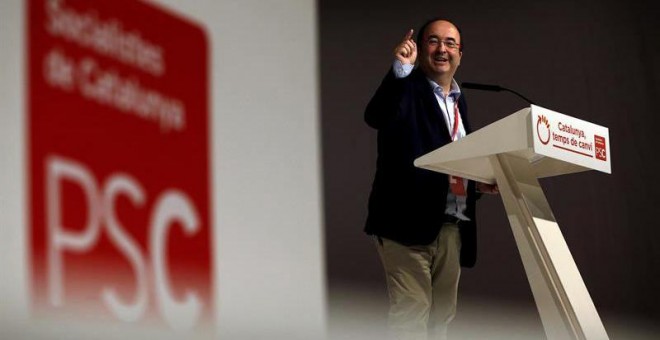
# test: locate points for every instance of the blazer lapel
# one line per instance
(462, 109)
(431, 102)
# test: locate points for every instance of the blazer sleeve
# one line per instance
(387, 104)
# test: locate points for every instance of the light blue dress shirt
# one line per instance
(455, 204)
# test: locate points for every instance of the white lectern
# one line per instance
(514, 152)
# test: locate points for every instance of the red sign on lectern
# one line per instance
(119, 213)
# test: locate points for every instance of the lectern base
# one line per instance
(561, 296)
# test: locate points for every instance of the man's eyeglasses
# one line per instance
(449, 44)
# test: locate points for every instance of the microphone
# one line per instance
(493, 88)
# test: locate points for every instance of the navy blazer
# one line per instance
(407, 203)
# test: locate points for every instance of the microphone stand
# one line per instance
(494, 88)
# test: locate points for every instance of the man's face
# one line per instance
(439, 61)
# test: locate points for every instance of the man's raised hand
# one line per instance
(406, 50)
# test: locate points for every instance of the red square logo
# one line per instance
(119, 210)
(600, 147)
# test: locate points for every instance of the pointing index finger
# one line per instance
(409, 35)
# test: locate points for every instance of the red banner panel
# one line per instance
(119, 198)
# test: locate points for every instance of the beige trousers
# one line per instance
(422, 283)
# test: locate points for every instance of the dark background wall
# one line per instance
(594, 60)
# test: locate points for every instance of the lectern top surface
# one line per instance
(556, 144)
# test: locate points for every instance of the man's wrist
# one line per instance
(400, 69)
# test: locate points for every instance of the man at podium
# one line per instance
(423, 222)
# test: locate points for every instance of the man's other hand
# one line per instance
(485, 188)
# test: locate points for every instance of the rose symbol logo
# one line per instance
(543, 129)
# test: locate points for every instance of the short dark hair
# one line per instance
(420, 32)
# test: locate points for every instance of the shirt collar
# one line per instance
(454, 90)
